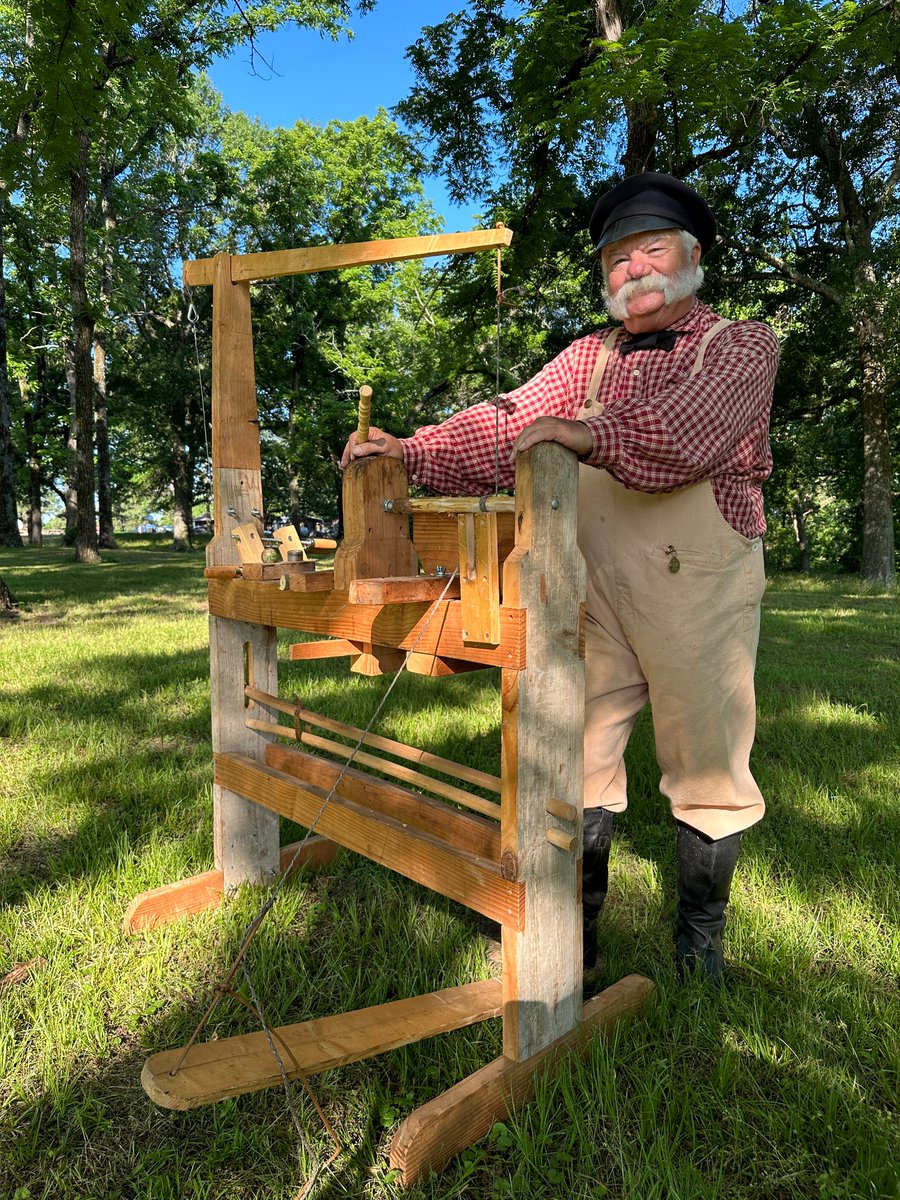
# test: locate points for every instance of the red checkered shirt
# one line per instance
(661, 429)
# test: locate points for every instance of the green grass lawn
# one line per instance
(787, 1086)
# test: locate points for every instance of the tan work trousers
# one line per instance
(686, 641)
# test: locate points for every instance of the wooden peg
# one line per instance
(365, 408)
(565, 841)
(559, 808)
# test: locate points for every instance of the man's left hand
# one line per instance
(573, 434)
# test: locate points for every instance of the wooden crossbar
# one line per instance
(236, 1065)
(436, 787)
(270, 264)
(398, 749)
(451, 504)
(423, 857)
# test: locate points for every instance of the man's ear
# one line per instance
(696, 251)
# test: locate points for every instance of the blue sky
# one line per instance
(314, 78)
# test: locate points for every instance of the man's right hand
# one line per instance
(379, 443)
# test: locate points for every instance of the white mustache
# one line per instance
(647, 283)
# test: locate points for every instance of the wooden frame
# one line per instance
(520, 608)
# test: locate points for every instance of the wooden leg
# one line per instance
(165, 904)
(434, 1133)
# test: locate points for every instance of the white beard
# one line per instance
(680, 286)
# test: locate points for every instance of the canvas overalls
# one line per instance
(685, 640)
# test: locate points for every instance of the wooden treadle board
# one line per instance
(233, 1066)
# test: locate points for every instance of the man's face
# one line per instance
(648, 273)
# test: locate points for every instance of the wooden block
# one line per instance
(237, 1065)
(288, 539)
(430, 629)
(273, 572)
(434, 1133)
(479, 579)
(162, 905)
(376, 545)
(410, 589)
(310, 581)
(467, 878)
(431, 664)
(377, 660)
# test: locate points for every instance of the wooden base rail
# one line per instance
(236, 1065)
(399, 749)
(434, 861)
(425, 783)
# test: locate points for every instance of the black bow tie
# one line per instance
(656, 339)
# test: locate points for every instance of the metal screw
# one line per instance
(387, 505)
(256, 512)
(232, 512)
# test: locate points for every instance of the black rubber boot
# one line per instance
(705, 870)
(598, 826)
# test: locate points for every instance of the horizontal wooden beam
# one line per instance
(449, 505)
(411, 589)
(399, 749)
(306, 259)
(467, 878)
(197, 893)
(332, 648)
(237, 1065)
(425, 783)
(434, 1133)
(431, 629)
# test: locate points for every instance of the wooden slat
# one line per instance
(430, 629)
(303, 260)
(310, 581)
(237, 1065)
(434, 1133)
(162, 905)
(453, 505)
(479, 579)
(375, 545)
(332, 648)
(466, 878)
(426, 783)
(398, 749)
(430, 664)
(409, 589)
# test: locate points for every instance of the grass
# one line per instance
(786, 1087)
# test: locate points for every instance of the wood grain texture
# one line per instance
(471, 880)
(437, 539)
(332, 648)
(410, 589)
(542, 734)
(434, 1133)
(271, 264)
(376, 545)
(237, 1065)
(479, 579)
(429, 629)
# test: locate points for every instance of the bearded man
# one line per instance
(669, 415)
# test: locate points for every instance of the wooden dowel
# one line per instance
(410, 753)
(478, 804)
(365, 408)
(451, 504)
(320, 544)
(222, 572)
(559, 808)
(564, 841)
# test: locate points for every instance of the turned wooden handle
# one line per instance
(365, 407)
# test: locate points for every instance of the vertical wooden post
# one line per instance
(543, 763)
(376, 544)
(246, 835)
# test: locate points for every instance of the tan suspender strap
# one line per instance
(704, 342)
(594, 386)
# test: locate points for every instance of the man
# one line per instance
(669, 416)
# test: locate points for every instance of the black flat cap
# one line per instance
(651, 201)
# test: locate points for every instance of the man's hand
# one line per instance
(573, 434)
(380, 444)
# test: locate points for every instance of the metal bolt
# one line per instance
(256, 512)
(554, 504)
(231, 510)
(387, 505)
(440, 572)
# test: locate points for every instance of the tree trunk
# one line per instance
(183, 498)
(800, 532)
(82, 337)
(33, 459)
(104, 486)
(878, 563)
(9, 517)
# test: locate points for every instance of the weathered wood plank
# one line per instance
(543, 720)
(467, 878)
(479, 579)
(431, 629)
(237, 1065)
(162, 905)
(434, 1133)
(409, 589)
(375, 545)
(305, 259)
